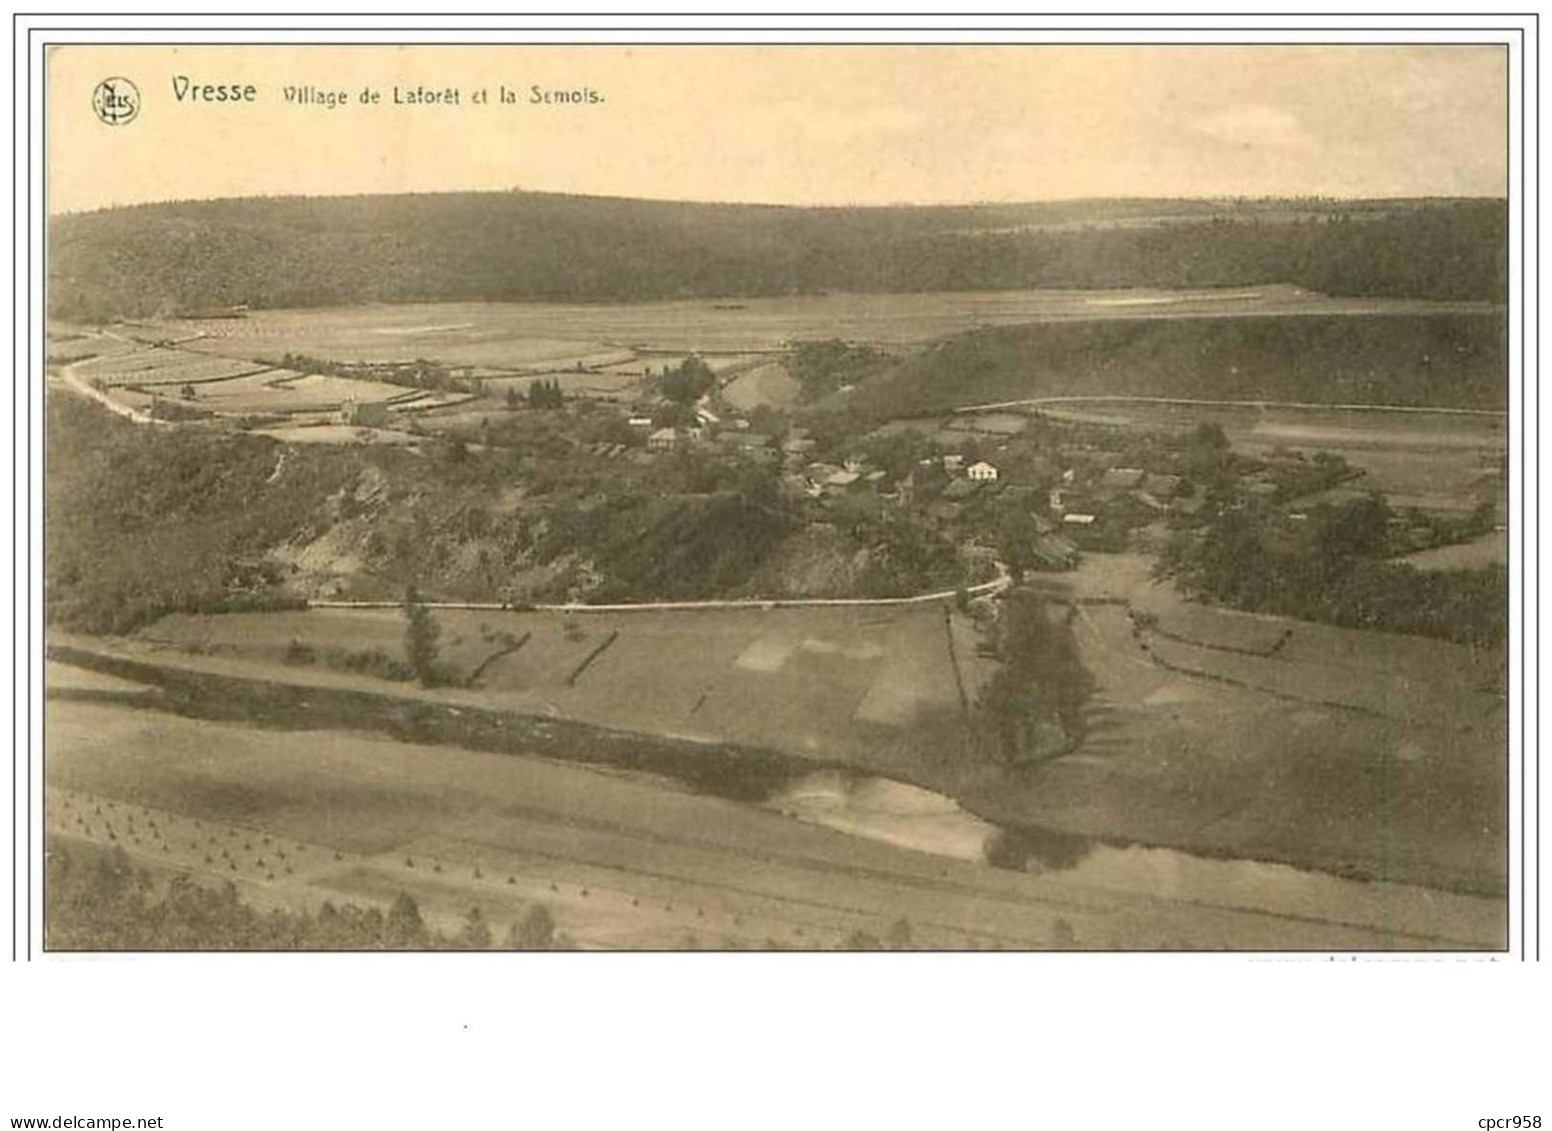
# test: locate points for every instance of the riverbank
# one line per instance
(1203, 767)
(620, 860)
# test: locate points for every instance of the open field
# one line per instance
(456, 334)
(1367, 752)
(294, 818)
(338, 434)
(604, 383)
(525, 335)
(1385, 762)
(278, 391)
(764, 384)
(1486, 550)
(813, 681)
(1433, 460)
(164, 367)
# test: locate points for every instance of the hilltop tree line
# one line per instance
(164, 259)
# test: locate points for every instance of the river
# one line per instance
(910, 817)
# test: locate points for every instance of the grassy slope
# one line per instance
(1455, 360)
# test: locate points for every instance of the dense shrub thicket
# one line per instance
(1333, 570)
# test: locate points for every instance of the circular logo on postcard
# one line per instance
(116, 101)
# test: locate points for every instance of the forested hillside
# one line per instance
(1437, 360)
(297, 252)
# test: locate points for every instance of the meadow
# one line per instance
(559, 335)
(813, 681)
(619, 860)
(1356, 752)
(1359, 753)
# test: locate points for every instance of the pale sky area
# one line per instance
(794, 125)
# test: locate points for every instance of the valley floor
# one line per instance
(295, 818)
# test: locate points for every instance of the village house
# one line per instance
(795, 448)
(1121, 479)
(840, 480)
(751, 445)
(663, 440)
(982, 472)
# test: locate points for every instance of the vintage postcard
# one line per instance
(777, 497)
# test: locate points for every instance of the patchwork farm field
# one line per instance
(843, 683)
(1356, 752)
(1258, 738)
(512, 335)
(607, 350)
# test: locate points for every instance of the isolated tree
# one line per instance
(1041, 681)
(688, 382)
(1210, 436)
(404, 928)
(475, 933)
(534, 931)
(421, 632)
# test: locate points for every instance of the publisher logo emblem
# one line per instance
(116, 101)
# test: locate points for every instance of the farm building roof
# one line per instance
(1123, 478)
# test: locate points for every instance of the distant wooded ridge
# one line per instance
(165, 259)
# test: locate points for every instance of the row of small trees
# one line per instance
(100, 901)
(544, 392)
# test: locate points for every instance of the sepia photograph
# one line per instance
(777, 497)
